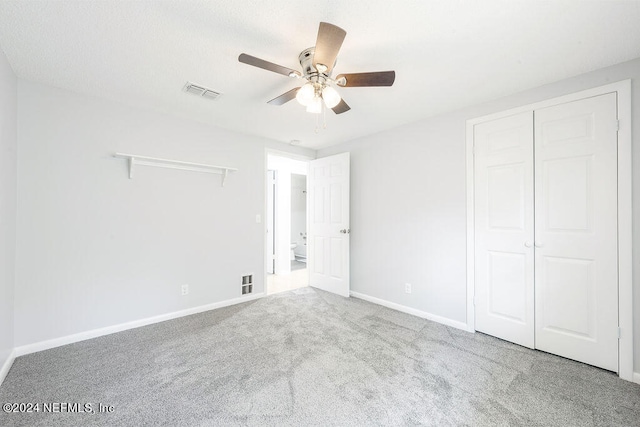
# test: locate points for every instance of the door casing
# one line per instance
(272, 152)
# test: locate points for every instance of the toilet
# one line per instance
(293, 246)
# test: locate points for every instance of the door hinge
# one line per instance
(617, 125)
(619, 333)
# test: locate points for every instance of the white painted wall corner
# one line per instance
(419, 313)
(636, 377)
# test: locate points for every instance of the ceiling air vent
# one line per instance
(201, 91)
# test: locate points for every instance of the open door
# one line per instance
(328, 240)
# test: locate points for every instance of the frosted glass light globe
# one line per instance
(306, 94)
(330, 96)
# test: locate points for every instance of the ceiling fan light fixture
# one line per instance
(315, 106)
(330, 96)
(306, 94)
(317, 64)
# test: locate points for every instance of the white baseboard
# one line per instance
(636, 377)
(423, 314)
(69, 339)
(7, 365)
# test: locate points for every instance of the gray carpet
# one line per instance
(307, 357)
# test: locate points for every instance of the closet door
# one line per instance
(504, 294)
(576, 276)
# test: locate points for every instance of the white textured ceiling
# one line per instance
(447, 54)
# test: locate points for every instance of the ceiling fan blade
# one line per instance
(328, 45)
(376, 78)
(342, 107)
(266, 65)
(285, 97)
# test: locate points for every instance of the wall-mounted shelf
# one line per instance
(135, 160)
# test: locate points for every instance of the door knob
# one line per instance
(528, 244)
(539, 245)
(345, 231)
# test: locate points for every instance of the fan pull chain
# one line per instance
(317, 123)
(324, 116)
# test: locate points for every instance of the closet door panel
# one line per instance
(576, 277)
(504, 228)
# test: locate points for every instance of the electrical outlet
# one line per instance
(407, 288)
(185, 290)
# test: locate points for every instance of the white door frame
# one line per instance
(270, 222)
(625, 262)
(279, 153)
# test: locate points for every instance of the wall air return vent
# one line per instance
(247, 284)
(201, 91)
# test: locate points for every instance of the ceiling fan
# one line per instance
(317, 65)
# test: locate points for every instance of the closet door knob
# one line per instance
(528, 244)
(539, 245)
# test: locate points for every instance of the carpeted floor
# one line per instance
(307, 357)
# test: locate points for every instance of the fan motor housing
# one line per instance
(309, 72)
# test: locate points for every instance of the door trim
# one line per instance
(625, 238)
(273, 152)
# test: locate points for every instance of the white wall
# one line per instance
(97, 249)
(8, 174)
(408, 216)
(408, 203)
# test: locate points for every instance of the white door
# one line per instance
(576, 264)
(504, 288)
(328, 239)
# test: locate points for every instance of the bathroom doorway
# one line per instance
(286, 224)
